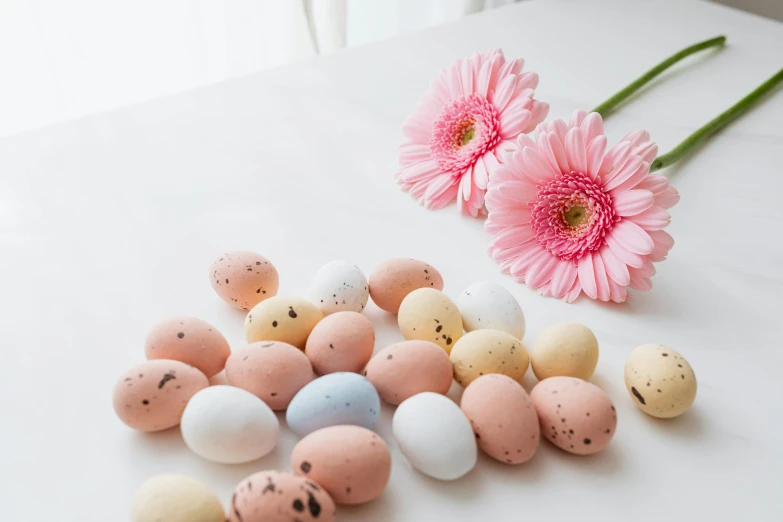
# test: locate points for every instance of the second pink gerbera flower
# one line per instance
(472, 112)
(569, 217)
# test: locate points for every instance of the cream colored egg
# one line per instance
(280, 318)
(427, 314)
(660, 381)
(175, 498)
(564, 350)
(482, 352)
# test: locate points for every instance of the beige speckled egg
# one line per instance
(189, 340)
(427, 314)
(175, 498)
(271, 370)
(351, 463)
(394, 279)
(341, 342)
(152, 395)
(575, 415)
(660, 381)
(243, 279)
(482, 352)
(282, 318)
(272, 496)
(503, 418)
(404, 369)
(564, 350)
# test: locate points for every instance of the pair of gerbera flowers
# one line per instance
(567, 215)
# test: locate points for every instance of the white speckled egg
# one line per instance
(435, 436)
(427, 314)
(229, 425)
(660, 381)
(564, 350)
(175, 498)
(334, 399)
(489, 306)
(340, 286)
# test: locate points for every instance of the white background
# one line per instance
(110, 223)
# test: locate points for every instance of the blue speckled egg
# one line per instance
(332, 400)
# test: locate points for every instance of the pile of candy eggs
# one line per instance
(314, 359)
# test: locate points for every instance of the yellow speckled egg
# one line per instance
(482, 352)
(151, 396)
(564, 350)
(660, 381)
(271, 496)
(175, 498)
(395, 278)
(189, 340)
(281, 318)
(243, 279)
(427, 314)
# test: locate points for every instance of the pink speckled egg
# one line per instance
(394, 279)
(351, 463)
(575, 415)
(272, 496)
(152, 395)
(405, 369)
(341, 342)
(189, 340)
(503, 418)
(271, 370)
(243, 279)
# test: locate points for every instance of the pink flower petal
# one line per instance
(668, 198)
(540, 271)
(574, 292)
(648, 151)
(592, 126)
(577, 118)
(639, 281)
(527, 80)
(535, 166)
(654, 218)
(586, 273)
(623, 254)
(523, 261)
(480, 175)
(483, 79)
(637, 137)
(575, 150)
(444, 198)
(655, 183)
(595, 155)
(615, 269)
(617, 293)
(630, 169)
(513, 236)
(563, 278)
(514, 123)
(503, 173)
(467, 76)
(519, 191)
(505, 147)
(465, 184)
(539, 110)
(498, 221)
(663, 243)
(614, 159)
(504, 91)
(418, 171)
(522, 168)
(551, 148)
(411, 152)
(454, 81)
(632, 202)
(632, 237)
(602, 282)
(633, 180)
(417, 129)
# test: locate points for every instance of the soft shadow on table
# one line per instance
(382, 509)
(607, 462)
(689, 425)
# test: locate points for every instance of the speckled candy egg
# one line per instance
(404, 369)
(152, 395)
(271, 496)
(229, 425)
(489, 306)
(427, 314)
(341, 342)
(175, 498)
(352, 464)
(435, 436)
(340, 286)
(660, 381)
(503, 418)
(575, 415)
(394, 279)
(565, 350)
(281, 318)
(331, 400)
(189, 340)
(482, 352)
(243, 279)
(271, 370)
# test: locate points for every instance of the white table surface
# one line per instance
(109, 223)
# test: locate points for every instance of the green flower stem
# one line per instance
(607, 106)
(731, 114)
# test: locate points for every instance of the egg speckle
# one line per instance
(427, 314)
(340, 286)
(189, 340)
(564, 350)
(243, 279)
(394, 279)
(341, 342)
(152, 395)
(574, 415)
(489, 306)
(271, 496)
(281, 318)
(175, 498)
(273, 371)
(404, 369)
(660, 381)
(482, 352)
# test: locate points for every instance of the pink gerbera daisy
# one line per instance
(569, 217)
(471, 112)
